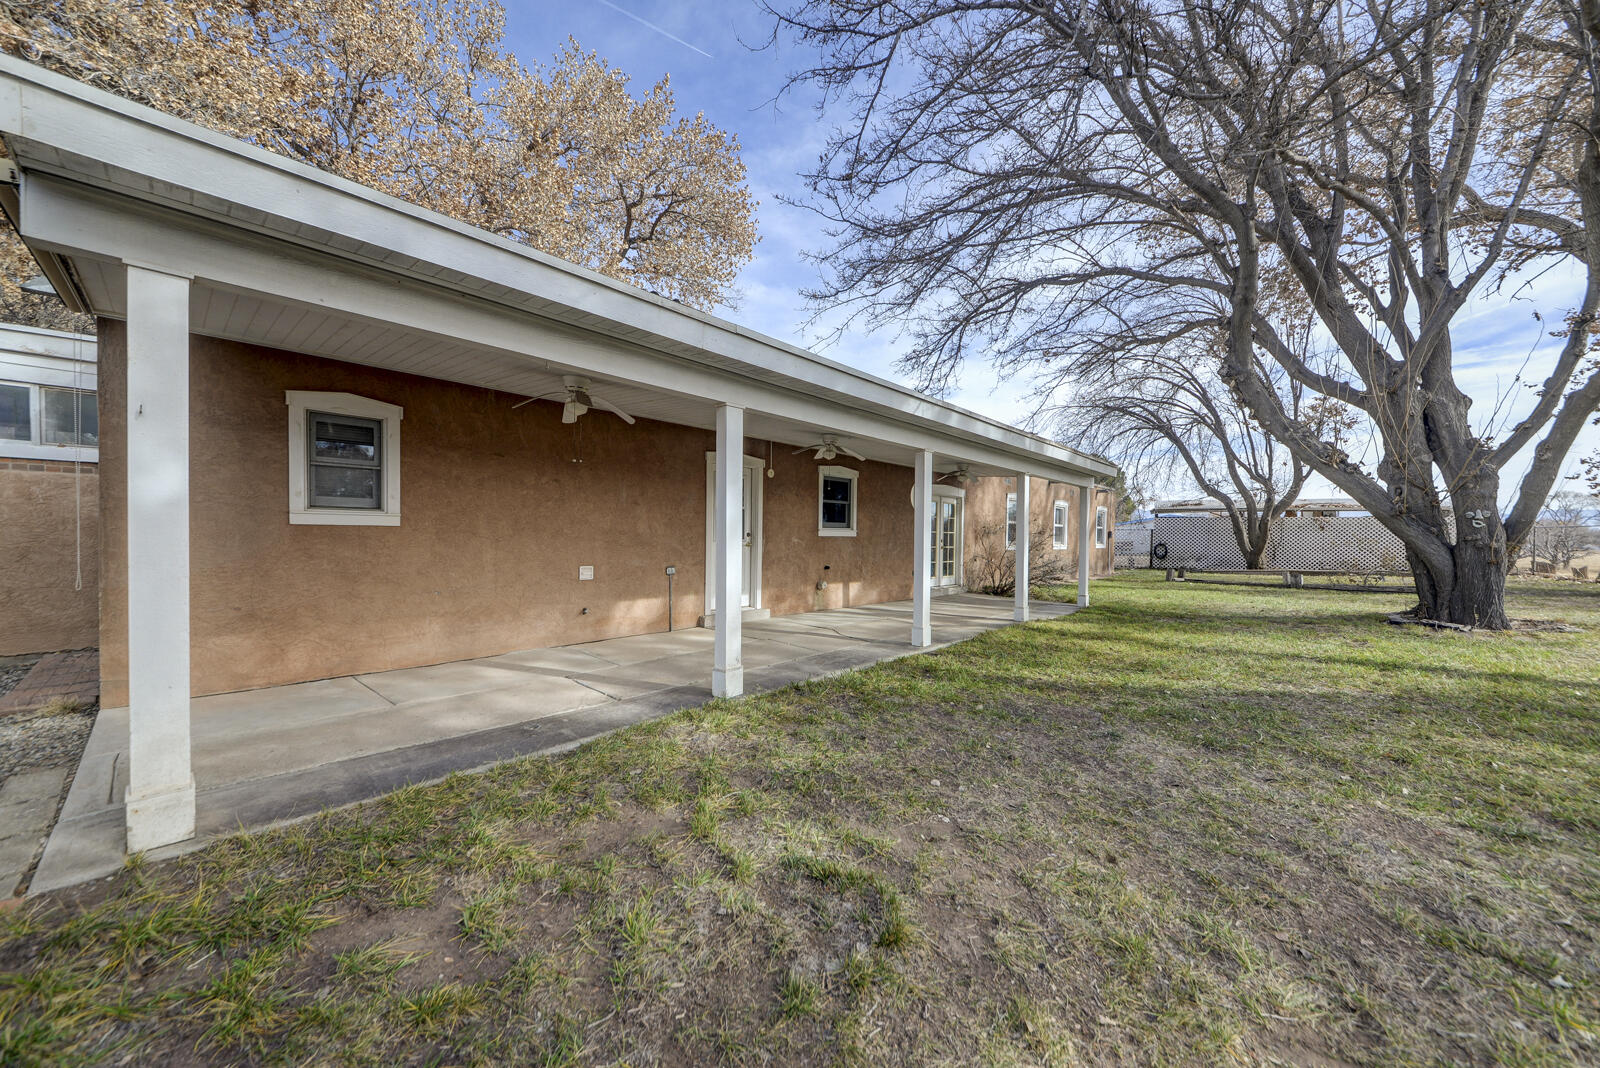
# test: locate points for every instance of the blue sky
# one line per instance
(707, 49)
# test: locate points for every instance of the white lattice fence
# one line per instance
(1132, 543)
(1354, 543)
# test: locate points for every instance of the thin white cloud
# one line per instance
(650, 25)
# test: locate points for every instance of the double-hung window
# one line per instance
(1058, 529)
(346, 457)
(48, 415)
(836, 502)
(1011, 521)
(344, 460)
(1100, 528)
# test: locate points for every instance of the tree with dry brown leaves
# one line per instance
(420, 99)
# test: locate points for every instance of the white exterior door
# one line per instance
(944, 562)
(750, 526)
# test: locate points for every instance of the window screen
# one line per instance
(16, 421)
(70, 417)
(346, 461)
(836, 502)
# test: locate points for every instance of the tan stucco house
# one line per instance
(339, 434)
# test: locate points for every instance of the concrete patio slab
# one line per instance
(28, 803)
(637, 648)
(559, 661)
(440, 680)
(249, 712)
(263, 757)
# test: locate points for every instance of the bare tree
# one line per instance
(1591, 473)
(1064, 184)
(1568, 527)
(1165, 412)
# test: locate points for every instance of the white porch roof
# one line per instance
(284, 255)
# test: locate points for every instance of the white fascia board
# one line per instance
(61, 216)
(55, 125)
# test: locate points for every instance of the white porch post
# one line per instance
(922, 553)
(727, 668)
(1024, 521)
(160, 797)
(1085, 540)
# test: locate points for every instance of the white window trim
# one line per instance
(300, 402)
(1007, 521)
(1100, 527)
(855, 502)
(1058, 522)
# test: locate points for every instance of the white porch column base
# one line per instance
(161, 818)
(160, 795)
(727, 665)
(1085, 540)
(1024, 524)
(922, 552)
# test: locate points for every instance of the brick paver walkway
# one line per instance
(73, 676)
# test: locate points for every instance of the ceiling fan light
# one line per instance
(571, 410)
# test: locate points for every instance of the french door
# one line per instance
(944, 562)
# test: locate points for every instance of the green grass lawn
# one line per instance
(1191, 825)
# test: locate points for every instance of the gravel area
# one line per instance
(42, 741)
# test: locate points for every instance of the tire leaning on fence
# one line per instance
(1158, 551)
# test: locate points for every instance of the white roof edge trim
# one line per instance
(697, 329)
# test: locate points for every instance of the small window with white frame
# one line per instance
(1058, 527)
(344, 460)
(836, 502)
(1011, 521)
(1100, 528)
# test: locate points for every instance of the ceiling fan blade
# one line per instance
(601, 402)
(850, 453)
(545, 396)
(804, 448)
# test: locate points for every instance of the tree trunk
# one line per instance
(1471, 591)
(1474, 594)
(1255, 553)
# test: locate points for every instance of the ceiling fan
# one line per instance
(828, 448)
(963, 474)
(576, 399)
